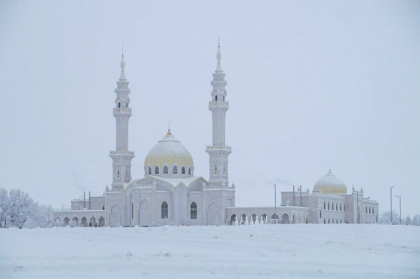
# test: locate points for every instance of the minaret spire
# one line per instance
(219, 57)
(122, 65)
(121, 156)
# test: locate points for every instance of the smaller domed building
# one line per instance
(329, 202)
(169, 193)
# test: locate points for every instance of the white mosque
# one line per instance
(170, 194)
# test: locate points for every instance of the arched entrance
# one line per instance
(84, 222)
(233, 219)
(243, 219)
(114, 218)
(274, 218)
(213, 215)
(144, 214)
(101, 222)
(254, 218)
(264, 218)
(92, 222)
(285, 219)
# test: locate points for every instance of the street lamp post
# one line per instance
(400, 206)
(275, 204)
(390, 189)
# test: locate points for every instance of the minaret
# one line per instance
(121, 158)
(219, 152)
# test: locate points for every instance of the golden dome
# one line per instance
(169, 152)
(330, 184)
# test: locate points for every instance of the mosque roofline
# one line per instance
(171, 180)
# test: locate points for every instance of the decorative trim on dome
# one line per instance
(169, 152)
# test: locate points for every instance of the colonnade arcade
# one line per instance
(79, 218)
(259, 216)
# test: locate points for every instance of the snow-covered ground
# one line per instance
(276, 251)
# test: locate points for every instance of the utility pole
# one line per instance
(400, 206)
(300, 190)
(390, 189)
(294, 197)
(275, 204)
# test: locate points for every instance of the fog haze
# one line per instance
(311, 85)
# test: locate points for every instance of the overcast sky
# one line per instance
(311, 84)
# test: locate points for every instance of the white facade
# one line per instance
(170, 194)
(329, 203)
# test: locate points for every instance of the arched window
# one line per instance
(126, 105)
(174, 170)
(320, 215)
(264, 218)
(164, 210)
(150, 170)
(325, 221)
(193, 210)
(165, 169)
(328, 220)
(183, 170)
(325, 206)
(119, 105)
(189, 171)
(215, 98)
(156, 170)
(366, 210)
(370, 210)
(373, 210)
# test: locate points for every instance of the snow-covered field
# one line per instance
(276, 251)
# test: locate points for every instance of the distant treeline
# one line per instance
(385, 218)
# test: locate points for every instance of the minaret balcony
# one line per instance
(122, 111)
(121, 152)
(219, 150)
(225, 147)
(218, 105)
